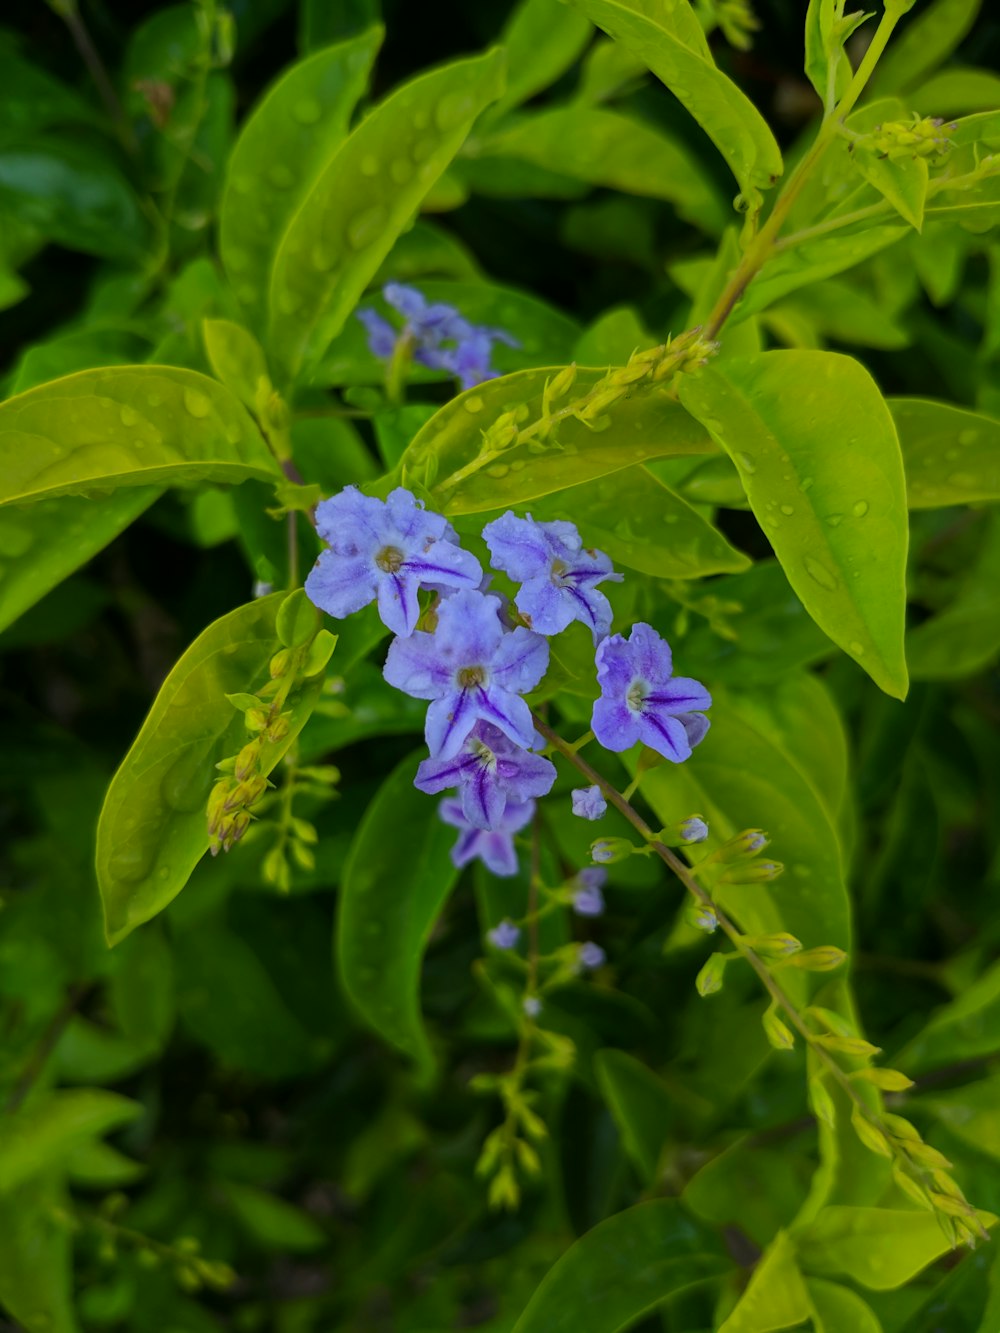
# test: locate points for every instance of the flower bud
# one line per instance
(605, 851)
(824, 959)
(278, 729)
(703, 917)
(247, 760)
(709, 979)
(684, 832)
(255, 719)
(776, 1032)
(560, 385)
(779, 945)
(280, 663)
(745, 844)
(757, 873)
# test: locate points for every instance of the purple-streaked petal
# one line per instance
(589, 802)
(593, 609)
(524, 775)
(413, 666)
(341, 585)
(506, 711)
(519, 662)
(518, 547)
(410, 302)
(445, 564)
(615, 670)
(664, 734)
(449, 721)
(398, 605)
(434, 775)
(496, 851)
(468, 847)
(614, 724)
(483, 801)
(680, 694)
(411, 521)
(548, 608)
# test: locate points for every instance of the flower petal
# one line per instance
(434, 775)
(506, 711)
(449, 721)
(614, 724)
(664, 734)
(680, 694)
(483, 801)
(414, 666)
(341, 585)
(651, 656)
(398, 604)
(518, 547)
(519, 662)
(550, 609)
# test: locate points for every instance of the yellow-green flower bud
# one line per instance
(247, 760)
(758, 873)
(280, 663)
(279, 728)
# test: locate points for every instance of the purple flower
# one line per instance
(588, 802)
(531, 1005)
(384, 550)
(471, 670)
(641, 701)
(495, 848)
(591, 955)
(591, 877)
(558, 577)
(504, 936)
(440, 338)
(490, 772)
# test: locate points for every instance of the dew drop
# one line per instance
(498, 470)
(422, 149)
(856, 648)
(835, 520)
(400, 170)
(860, 509)
(369, 165)
(421, 119)
(197, 403)
(132, 861)
(365, 227)
(281, 176)
(518, 464)
(963, 479)
(951, 454)
(967, 437)
(288, 302)
(186, 784)
(322, 259)
(746, 463)
(806, 483)
(14, 539)
(238, 260)
(128, 415)
(307, 111)
(154, 399)
(242, 184)
(787, 509)
(473, 404)
(452, 108)
(819, 572)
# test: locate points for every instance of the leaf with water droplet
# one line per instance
(67, 437)
(294, 131)
(673, 46)
(810, 406)
(358, 216)
(926, 430)
(152, 822)
(398, 875)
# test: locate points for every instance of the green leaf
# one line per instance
(965, 1029)
(615, 151)
(776, 1297)
(127, 426)
(643, 525)
(73, 192)
(36, 1259)
(951, 455)
(291, 135)
(827, 66)
(836, 1307)
(902, 181)
(756, 1188)
(673, 45)
(627, 1265)
(965, 636)
(153, 829)
(542, 39)
(54, 1125)
(364, 198)
(237, 360)
(880, 1248)
(273, 1223)
(41, 544)
(971, 1113)
(820, 461)
(957, 91)
(641, 1105)
(397, 877)
(926, 41)
(738, 778)
(647, 425)
(96, 1165)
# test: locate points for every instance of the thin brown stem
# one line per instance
(46, 1045)
(95, 65)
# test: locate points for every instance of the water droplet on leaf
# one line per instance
(307, 111)
(860, 509)
(819, 572)
(197, 403)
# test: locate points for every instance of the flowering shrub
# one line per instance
(534, 524)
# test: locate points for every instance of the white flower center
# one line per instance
(390, 559)
(636, 696)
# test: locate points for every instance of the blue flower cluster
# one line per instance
(475, 659)
(435, 334)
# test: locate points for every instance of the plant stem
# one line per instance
(46, 1045)
(729, 928)
(91, 58)
(761, 247)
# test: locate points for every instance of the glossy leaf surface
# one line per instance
(822, 470)
(951, 455)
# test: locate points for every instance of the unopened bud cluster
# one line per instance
(926, 137)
